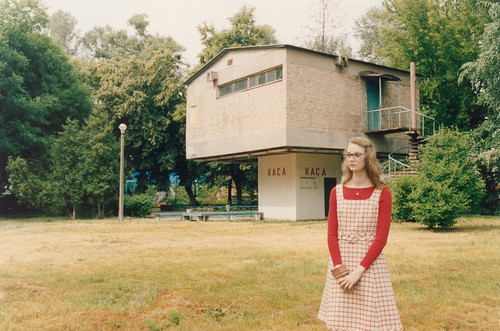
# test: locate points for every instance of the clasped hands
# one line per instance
(348, 281)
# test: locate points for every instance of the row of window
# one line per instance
(251, 81)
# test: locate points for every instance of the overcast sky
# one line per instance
(179, 18)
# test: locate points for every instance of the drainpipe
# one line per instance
(413, 96)
(380, 93)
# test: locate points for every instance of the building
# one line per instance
(293, 110)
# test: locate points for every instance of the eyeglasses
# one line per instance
(355, 156)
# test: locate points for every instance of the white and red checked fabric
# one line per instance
(371, 306)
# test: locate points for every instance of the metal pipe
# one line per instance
(413, 95)
(380, 106)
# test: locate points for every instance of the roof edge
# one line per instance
(229, 49)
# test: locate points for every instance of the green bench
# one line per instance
(159, 215)
(205, 216)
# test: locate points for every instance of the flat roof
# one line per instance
(230, 49)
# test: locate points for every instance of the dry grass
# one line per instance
(91, 275)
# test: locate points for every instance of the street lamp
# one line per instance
(122, 128)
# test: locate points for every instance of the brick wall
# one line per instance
(316, 104)
(251, 111)
(324, 99)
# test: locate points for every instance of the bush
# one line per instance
(449, 158)
(436, 203)
(447, 184)
(401, 188)
(138, 204)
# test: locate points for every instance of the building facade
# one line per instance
(293, 111)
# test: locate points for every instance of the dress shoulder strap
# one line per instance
(377, 193)
(340, 192)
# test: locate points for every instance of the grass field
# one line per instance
(104, 275)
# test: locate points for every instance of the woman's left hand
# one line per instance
(347, 283)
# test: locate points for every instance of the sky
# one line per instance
(180, 18)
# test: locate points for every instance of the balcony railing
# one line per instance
(399, 119)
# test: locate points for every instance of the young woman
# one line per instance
(358, 293)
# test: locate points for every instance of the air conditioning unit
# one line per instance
(212, 76)
(341, 61)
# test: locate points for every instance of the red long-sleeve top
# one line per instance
(383, 224)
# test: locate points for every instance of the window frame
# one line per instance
(257, 76)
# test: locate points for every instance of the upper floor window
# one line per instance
(251, 81)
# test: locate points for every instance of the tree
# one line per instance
(487, 148)
(83, 170)
(99, 159)
(483, 72)
(106, 42)
(62, 29)
(326, 33)
(367, 31)
(25, 184)
(243, 32)
(440, 36)
(40, 88)
(140, 24)
(66, 181)
(61, 186)
(144, 95)
(140, 85)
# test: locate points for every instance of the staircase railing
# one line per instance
(427, 127)
(399, 162)
(395, 160)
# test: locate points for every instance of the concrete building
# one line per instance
(293, 110)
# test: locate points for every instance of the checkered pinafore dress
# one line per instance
(371, 306)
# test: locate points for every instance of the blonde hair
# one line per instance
(372, 166)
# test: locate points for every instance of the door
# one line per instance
(373, 102)
(329, 185)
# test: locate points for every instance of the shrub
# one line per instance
(447, 184)
(401, 188)
(450, 158)
(436, 203)
(138, 204)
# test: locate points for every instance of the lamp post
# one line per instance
(122, 128)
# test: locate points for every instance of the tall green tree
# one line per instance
(483, 71)
(61, 28)
(60, 186)
(243, 32)
(25, 182)
(65, 180)
(39, 87)
(144, 95)
(100, 160)
(367, 31)
(440, 36)
(106, 42)
(83, 170)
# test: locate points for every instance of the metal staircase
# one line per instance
(400, 119)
